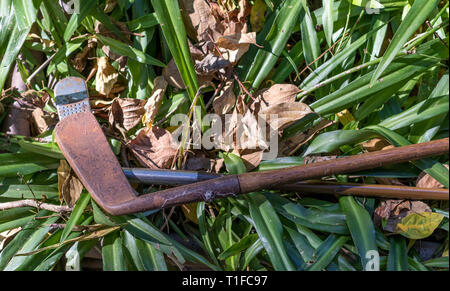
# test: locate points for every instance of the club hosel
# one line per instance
(202, 191)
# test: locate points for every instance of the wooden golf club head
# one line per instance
(88, 152)
(85, 147)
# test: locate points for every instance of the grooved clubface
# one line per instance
(71, 97)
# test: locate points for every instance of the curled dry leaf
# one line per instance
(80, 60)
(198, 18)
(223, 103)
(126, 113)
(391, 212)
(154, 102)
(251, 158)
(284, 114)
(426, 181)
(17, 121)
(233, 47)
(69, 187)
(153, 148)
(376, 144)
(41, 121)
(106, 76)
(279, 93)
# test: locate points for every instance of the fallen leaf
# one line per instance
(126, 113)
(223, 103)
(80, 60)
(106, 76)
(233, 47)
(279, 93)
(426, 181)
(69, 186)
(390, 212)
(257, 15)
(376, 144)
(251, 158)
(153, 148)
(154, 102)
(199, 19)
(41, 121)
(419, 225)
(286, 114)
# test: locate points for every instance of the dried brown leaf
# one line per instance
(154, 102)
(251, 158)
(126, 113)
(377, 144)
(153, 148)
(41, 121)
(233, 47)
(226, 100)
(286, 114)
(199, 19)
(426, 181)
(106, 76)
(279, 93)
(69, 186)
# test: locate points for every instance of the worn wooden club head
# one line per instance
(86, 148)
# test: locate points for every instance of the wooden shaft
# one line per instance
(367, 190)
(259, 180)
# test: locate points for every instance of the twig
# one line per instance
(41, 67)
(28, 186)
(436, 34)
(35, 204)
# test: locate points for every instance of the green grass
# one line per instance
(388, 69)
